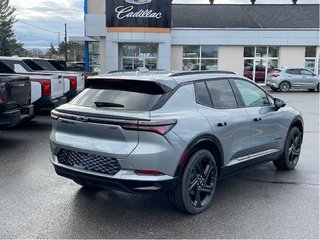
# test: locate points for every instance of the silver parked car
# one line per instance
(172, 132)
(284, 79)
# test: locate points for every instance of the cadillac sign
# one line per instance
(139, 13)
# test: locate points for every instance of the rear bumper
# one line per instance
(271, 83)
(71, 94)
(13, 117)
(126, 181)
(47, 103)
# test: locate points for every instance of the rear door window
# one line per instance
(221, 93)
(294, 71)
(121, 95)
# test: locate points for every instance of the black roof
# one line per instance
(245, 16)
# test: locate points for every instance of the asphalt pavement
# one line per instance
(260, 202)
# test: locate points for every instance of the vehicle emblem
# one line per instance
(82, 119)
(138, 2)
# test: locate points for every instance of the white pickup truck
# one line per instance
(46, 89)
(74, 81)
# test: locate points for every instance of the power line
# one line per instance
(37, 27)
(43, 29)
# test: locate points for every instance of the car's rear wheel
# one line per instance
(284, 86)
(318, 87)
(291, 152)
(197, 184)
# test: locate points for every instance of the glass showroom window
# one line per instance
(94, 57)
(260, 60)
(311, 60)
(137, 55)
(200, 57)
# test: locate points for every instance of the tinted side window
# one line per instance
(5, 69)
(221, 94)
(306, 72)
(202, 94)
(251, 94)
(293, 71)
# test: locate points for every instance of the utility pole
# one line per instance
(66, 41)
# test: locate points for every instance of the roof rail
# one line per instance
(178, 74)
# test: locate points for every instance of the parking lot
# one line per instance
(260, 202)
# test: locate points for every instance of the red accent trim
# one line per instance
(148, 172)
(183, 156)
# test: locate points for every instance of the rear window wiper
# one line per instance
(108, 104)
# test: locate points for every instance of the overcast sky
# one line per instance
(51, 15)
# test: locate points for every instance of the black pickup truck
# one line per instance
(15, 97)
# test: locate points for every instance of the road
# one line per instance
(260, 202)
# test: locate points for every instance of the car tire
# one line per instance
(284, 86)
(291, 152)
(196, 184)
(318, 87)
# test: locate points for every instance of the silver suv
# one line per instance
(284, 79)
(172, 132)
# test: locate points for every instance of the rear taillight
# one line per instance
(160, 126)
(2, 93)
(275, 75)
(73, 82)
(46, 87)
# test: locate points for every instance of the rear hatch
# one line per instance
(103, 118)
(15, 91)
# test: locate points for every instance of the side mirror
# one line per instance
(278, 103)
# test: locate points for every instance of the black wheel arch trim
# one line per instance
(192, 147)
(295, 121)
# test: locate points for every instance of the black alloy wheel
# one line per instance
(292, 150)
(197, 184)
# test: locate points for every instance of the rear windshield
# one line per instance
(59, 65)
(275, 71)
(121, 95)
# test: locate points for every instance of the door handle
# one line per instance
(257, 119)
(222, 124)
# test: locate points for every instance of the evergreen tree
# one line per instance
(8, 44)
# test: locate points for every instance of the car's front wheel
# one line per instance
(284, 86)
(291, 152)
(197, 184)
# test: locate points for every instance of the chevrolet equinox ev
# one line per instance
(176, 132)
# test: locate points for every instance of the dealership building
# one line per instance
(248, 39)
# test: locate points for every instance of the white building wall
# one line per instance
(245, 37)
(97, 6)
(292, 56)
(230, 58)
